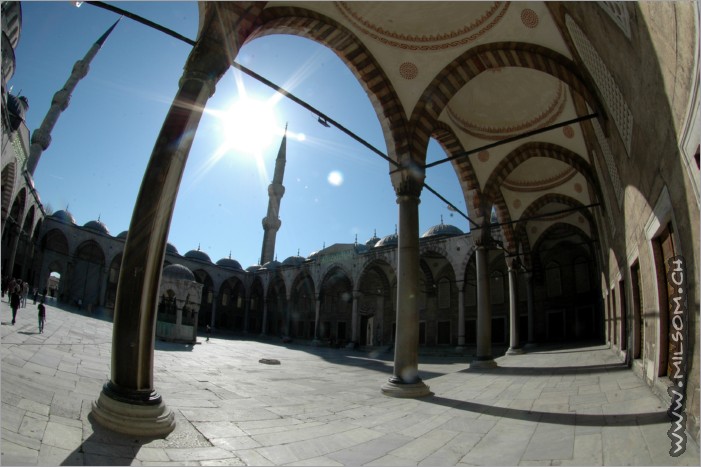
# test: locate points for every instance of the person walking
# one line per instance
(25, 292)
(14, 304)
(42, 316)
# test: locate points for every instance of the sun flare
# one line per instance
(248, 126)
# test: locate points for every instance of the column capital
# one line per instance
(207, 63)
(408, 180)
(513, 263)
(357, 294)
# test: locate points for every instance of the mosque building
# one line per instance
(583, 194)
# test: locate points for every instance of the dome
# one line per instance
(372, 241)
(271, 265)
(294, 261)
(179, 272)
(97, 226)
(442, 230)
(63, 216)
(123, 235)
(199, 255)
(170, 249)
(229, 263)
(254, 268)
(389, 240)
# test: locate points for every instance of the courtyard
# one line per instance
(567, 405)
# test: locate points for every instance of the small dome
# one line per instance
(372, 241)
(442, 230)
(360, 249)
(63, 216)
(97, 226)
(389, 240)
(271, 265)
(199, 255)
(229, 263)
(294, 261)
(123, 235)
(254, 268)
(178, 271)
(170, 249)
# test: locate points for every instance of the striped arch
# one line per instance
(496, 55)
(335, 36)
(463, 168)
(559, 225)
(504, 217)
(539, 149)
(9, 176)
(549, 198)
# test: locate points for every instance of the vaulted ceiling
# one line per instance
(471, 75)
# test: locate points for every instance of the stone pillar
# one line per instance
(264, 324)
(317, 317)
(514, 343)
(405, 380)
(355, 322)
(128, 402)
(483, 358)
(461, 316)
(531, 309)
(213, 316)
(14, 243)
(246, 312)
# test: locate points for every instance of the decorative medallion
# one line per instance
(448, 30)
(568, 132)
(483, 156)
(578, 187)
(529, 18)
(517, 203)
(408, 70)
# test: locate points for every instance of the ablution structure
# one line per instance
(572, 127)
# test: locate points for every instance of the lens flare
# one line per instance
(335, 178)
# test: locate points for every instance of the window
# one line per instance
(552, 278)
(581, 275)
(443, 293)
(496, 287)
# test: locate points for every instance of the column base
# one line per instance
(153, 419)
(396, 388)
(514, 351)
(483, 362)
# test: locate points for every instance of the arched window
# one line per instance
(581, 275)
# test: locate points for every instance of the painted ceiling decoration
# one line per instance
(415, 33)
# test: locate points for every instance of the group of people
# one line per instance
(17, 291)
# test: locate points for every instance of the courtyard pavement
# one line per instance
(321, 406)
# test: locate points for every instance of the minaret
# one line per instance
(271, 222)
(41, 138)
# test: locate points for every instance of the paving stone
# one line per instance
(15, 454)
(551, 442)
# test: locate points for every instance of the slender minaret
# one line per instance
(271, 222)
(41, 138)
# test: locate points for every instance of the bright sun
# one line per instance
(248, 126)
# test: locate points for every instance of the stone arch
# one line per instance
(208, 298)
(9, 177)
(335, 36)
(446, 137)
(230, 305)
(544, 200)
(465, 67)
(529, 150)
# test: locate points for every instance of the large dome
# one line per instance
(198, 255)
(294, 261)
(389, 240)
(97, 226)
(442, 230)
(63, 216)
(178, 272)
(229, 263)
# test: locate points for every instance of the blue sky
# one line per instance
(335, 187)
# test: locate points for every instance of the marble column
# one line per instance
(264, 324)
(405, 380)
(15, 231)
(461, 316)
(317, 316)
(483, 357)
(128, 403)
(355, 322)
(246, 312)
(531, 309)
(514, 343)
(213, 314)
